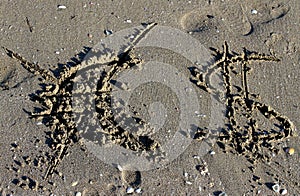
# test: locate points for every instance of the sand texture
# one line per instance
(57, 98)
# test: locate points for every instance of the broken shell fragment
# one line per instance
(62, 7)
(78, 194)
(108, 32)
(129, 190)
(212, 152)
(119, 167)
(74, 183)
(202, 169)
(138, 190)
(283, 191)
(254, 11)
(222, 194)
(276, 188)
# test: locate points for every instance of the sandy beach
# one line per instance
(197, 97)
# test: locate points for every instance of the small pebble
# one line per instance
(57, 52)
(283, 191)
(212, 152)
(62, 7)
(119, 167)
(223, 194)
(129, 190)
(290, 151)
(254, 12)
(188, 182)
(108, 32)
(74, 183)
(128, 21)
(186, 174)
(203, 169)
(78, 194)
(276, 188)
(138, 190)
(39, 123)
(196, 157)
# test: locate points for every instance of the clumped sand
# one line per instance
(42, 152)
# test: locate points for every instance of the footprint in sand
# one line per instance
(6, 74)
(232, 17)
(201, 21)
(268, 11)
(131, 178)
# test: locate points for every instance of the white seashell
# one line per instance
(186, 174)
(74, 183)
(223, 194)
(138, 190)
(283, 192)
(129, 190)
(254, 11)
(62, 7)
(119, 167)
(78, 194)
(276, 188)
(108, 32)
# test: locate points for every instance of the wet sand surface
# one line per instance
(40, 32)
